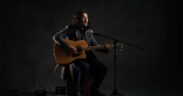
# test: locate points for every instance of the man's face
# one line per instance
(85, 19)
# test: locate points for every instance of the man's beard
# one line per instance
(82, 26)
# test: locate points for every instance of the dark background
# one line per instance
(27, 46)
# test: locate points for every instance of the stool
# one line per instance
(72, 83)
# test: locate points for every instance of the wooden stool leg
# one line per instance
(71, 84)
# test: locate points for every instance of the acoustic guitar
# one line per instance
(65, 57)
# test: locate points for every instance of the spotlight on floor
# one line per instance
(40, 93)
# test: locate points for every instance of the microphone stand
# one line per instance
(115, 41)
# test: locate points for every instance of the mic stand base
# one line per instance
(115, 93)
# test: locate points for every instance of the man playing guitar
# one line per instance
(80, 30)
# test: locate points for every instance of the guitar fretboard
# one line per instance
(96, 47)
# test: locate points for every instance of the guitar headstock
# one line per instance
(119, 46)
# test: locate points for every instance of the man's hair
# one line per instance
(78, 15)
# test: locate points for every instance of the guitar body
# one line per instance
(63, 57)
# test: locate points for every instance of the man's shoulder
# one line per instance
(90, 31)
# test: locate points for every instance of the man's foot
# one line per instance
(97, 93)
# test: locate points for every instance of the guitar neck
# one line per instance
(95, 47)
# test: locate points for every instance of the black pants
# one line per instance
(92, 66)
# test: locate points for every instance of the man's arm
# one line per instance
(59, 37)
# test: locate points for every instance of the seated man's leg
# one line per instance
(83, 72)
(98, 71)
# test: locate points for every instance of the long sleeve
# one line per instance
(59, 37)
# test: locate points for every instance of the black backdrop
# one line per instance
(28, 27)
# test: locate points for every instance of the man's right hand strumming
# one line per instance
(72, 49)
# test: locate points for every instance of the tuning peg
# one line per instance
(120, 46)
